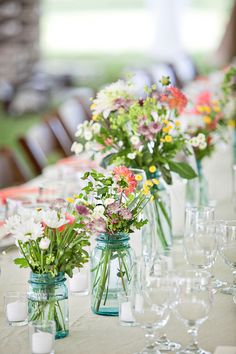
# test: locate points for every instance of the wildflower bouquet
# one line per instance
(205, 125)
(138, 133)
(111, 207)
(52, 242)
(142, 134)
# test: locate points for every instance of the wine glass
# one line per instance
(163, 264)
(227, 248)
(193, 304)
(151, 307)
(194, 215)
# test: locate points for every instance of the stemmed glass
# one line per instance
(193, 304)
(227, 248)
(151, 307)
(194, 215)
(162, 265)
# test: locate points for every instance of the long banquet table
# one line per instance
(91, 334)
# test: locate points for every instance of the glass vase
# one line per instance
(203, 186)
(48, 300)
(111, 268)
(161, 209)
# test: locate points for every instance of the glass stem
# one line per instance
(150, 338)
(234, 277)
(193, 332)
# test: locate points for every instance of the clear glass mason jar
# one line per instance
(111, 268)
(162, 213)
(203, 185)
(48, 300)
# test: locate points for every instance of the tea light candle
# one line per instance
(138, 303)
(126, 312)
(42, 343)
(79, 282)
(17, 311)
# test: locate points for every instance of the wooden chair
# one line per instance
(71, 113)
(11, 172)
(45, 141)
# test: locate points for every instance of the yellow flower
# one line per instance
(178, 123)
(167, 128)
(207, 109)
(207, 119)
(145, 190)
(200, 109)
(152, 198)
(148, 183)
(231, 123)
(152, 169)
(93, 106)
(138, 178)
(165, 121)
(155, 181)
(95, 117)
(70, 200)
(216, 108)
(168, 139)
(162, 140)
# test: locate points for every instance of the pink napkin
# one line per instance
(14, 191)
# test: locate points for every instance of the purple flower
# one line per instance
(143, 129)
(155, 127)
(113, 208)
(97, 225)
(82, 210)
(122, 102)
(125, 213)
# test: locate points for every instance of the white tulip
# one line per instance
(201, 137)
(44, 243)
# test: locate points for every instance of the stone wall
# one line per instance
(19, 39)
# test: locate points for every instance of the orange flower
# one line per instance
(125, 178)
(174, 98)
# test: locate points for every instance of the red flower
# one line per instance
(123, 174)
(204, 99)
(174, 98)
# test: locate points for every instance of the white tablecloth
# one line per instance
(91, 334)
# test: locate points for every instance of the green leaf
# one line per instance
(165, 174)
(182, 169)
(21, 262)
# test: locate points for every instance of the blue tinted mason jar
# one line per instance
(48, 300)
(111, 268)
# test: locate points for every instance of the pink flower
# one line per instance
(108, 141)
(97, 225)
(123, 174)
(155, 127)
(82, 210)
(125, 213)
(113, 208)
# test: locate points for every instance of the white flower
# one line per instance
(194, 142)
(201, 137)
(99, 209)
(53, 219)
(202, 145)
(79, 130)
(154, 116)
(131, 155)
(96, 127)
(88, 145)
(44, 243)
(135, 140)
(105, 100)
(9, 226)
(88, 134)
(109, 201)
(120, 143)
(27, 230)
(77, 148)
